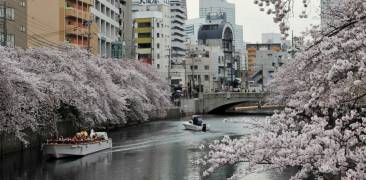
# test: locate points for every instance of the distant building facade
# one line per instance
(219, 6)
(220, 36)
(200, 71)
(263, 60)
(126, 29)
(106, 15)
(152, 35)
(191, 29)
(178, 37)
(63, 21)
(15, 34)
(271, 38)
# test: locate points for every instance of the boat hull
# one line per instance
(192, 127)
(66, 150)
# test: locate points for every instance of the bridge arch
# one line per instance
(219, 102)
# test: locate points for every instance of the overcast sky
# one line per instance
(256, 22)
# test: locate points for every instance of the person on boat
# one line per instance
(195, 120)
(199, 122)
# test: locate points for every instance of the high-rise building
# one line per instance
(178, 17)
(106, 15)
(220, 35)
(209, 6)
(15, 25)
(62, 21)
(191, 29)
(222, 6)
(152, 35)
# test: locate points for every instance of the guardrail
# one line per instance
(233, 95)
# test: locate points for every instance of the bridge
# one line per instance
(220, 102)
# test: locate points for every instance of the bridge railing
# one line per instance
(233, 95)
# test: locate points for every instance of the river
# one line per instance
(153, 151)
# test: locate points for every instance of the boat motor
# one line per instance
(204, 129)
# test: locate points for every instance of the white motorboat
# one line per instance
(76, 146)
(196, 124)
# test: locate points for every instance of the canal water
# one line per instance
(152, 151)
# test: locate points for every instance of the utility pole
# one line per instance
(169, 67)
(5, 28)
(88, 23)
(262, 77)
(193, 65)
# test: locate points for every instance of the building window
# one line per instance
(158, 56)
(22, 28)
(10, 41)
(158, 45)
(22, 3)
(158, 35)
(157, 24)
(207, 67)
(158, 66)
(196, 67)
(207, 77)
(10, 13)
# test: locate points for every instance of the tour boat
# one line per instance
(79, 145)
(196, 124)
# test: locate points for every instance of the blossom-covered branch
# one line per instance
(322, 131)
(40, 87)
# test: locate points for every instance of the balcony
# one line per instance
(143, 51)
(76, 30)
(144, 30)
(72, 12)
(89, 2)
(143, 40)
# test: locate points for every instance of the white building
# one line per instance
(201, 68)
(152, 34)
(106, 15)
(178, 17)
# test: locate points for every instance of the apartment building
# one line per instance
(263, 61)
(15, 24)
(178, 37)
(106, 15)
(60, 22)
(152, 35)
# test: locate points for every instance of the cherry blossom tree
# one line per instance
(322, 130)
(41, 87)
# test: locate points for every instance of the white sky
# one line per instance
(256, 22)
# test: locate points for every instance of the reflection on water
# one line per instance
(153, 151)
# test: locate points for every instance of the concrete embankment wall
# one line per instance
(9, 143)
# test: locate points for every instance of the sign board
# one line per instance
(154, 1)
